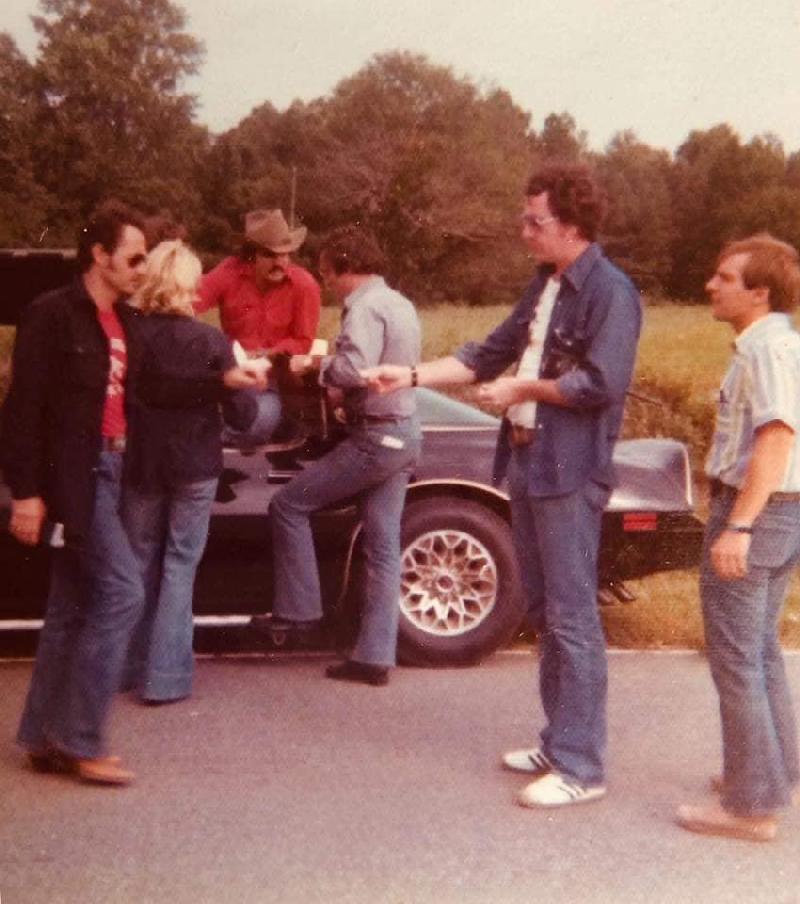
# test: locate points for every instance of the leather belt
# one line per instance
(719, 488)
(520, 436)
(113, 444)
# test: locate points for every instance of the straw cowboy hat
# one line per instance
(269, 229)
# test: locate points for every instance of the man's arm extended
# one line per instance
(440, 372)
(771, 452)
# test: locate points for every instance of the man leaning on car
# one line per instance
(373, 463)
(572, 339)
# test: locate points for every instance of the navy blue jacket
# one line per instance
(171, 443)
(597, 309)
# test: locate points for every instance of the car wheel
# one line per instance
(460, 594)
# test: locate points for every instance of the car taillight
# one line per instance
(639, 521)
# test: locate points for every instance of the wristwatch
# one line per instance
(737, 528)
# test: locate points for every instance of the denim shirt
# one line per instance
(379, 326)
(599, 308)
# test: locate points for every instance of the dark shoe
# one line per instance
(48, 761)
(712, 819)
(349, 670)
(147, 701)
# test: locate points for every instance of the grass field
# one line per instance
(682, 356)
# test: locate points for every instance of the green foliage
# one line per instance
(431, 163)
(109, 118)
(24, 204)
(722, 190)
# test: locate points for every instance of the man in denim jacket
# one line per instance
(752, 539)
(572, 341)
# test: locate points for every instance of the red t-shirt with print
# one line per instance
(114, 423)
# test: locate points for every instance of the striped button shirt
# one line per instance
(762, 385)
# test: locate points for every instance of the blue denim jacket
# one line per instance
(599, 307)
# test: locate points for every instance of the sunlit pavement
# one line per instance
(273, 784)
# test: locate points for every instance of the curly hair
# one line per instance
(572, 194)
(170, 282)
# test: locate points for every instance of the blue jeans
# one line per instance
(265, 423)
(556, 541)
(742, 618)
(168, 532)
(368, 464)
(95, 600)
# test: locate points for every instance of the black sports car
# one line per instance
(460, 597)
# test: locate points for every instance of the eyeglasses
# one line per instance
(530, 219)
(136, 260)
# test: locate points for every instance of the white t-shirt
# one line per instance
(524, 413)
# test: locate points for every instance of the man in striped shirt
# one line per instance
(752, 540)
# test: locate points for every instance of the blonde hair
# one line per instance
(170, 282)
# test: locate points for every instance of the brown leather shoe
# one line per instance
(47, 761)
(711, 819)
(716, 784)
(103, 770)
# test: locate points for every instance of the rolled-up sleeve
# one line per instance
(499, 350)
(775, 380)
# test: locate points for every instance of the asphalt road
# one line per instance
(273, 784)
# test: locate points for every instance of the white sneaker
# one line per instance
(530, 760)
(556, 790)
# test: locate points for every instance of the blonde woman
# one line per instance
(173, 462)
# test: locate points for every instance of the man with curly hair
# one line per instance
(572, 341)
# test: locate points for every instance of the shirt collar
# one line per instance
(374, 282)
(579, 269)
(765, 324)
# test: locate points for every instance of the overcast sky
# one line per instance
(659, 67)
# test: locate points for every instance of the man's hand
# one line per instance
(729, 555)
(300, 365)
(387, 377)
(27, 518)
(501, 393)
(246, 377)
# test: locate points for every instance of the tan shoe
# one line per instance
(103, 770)
(716, 784)
(711, 819)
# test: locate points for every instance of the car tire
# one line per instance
(461, 597)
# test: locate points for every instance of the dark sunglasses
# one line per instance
(137, 260)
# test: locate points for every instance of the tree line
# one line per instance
(430, 162)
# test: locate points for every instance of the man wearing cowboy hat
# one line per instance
(267, 303)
